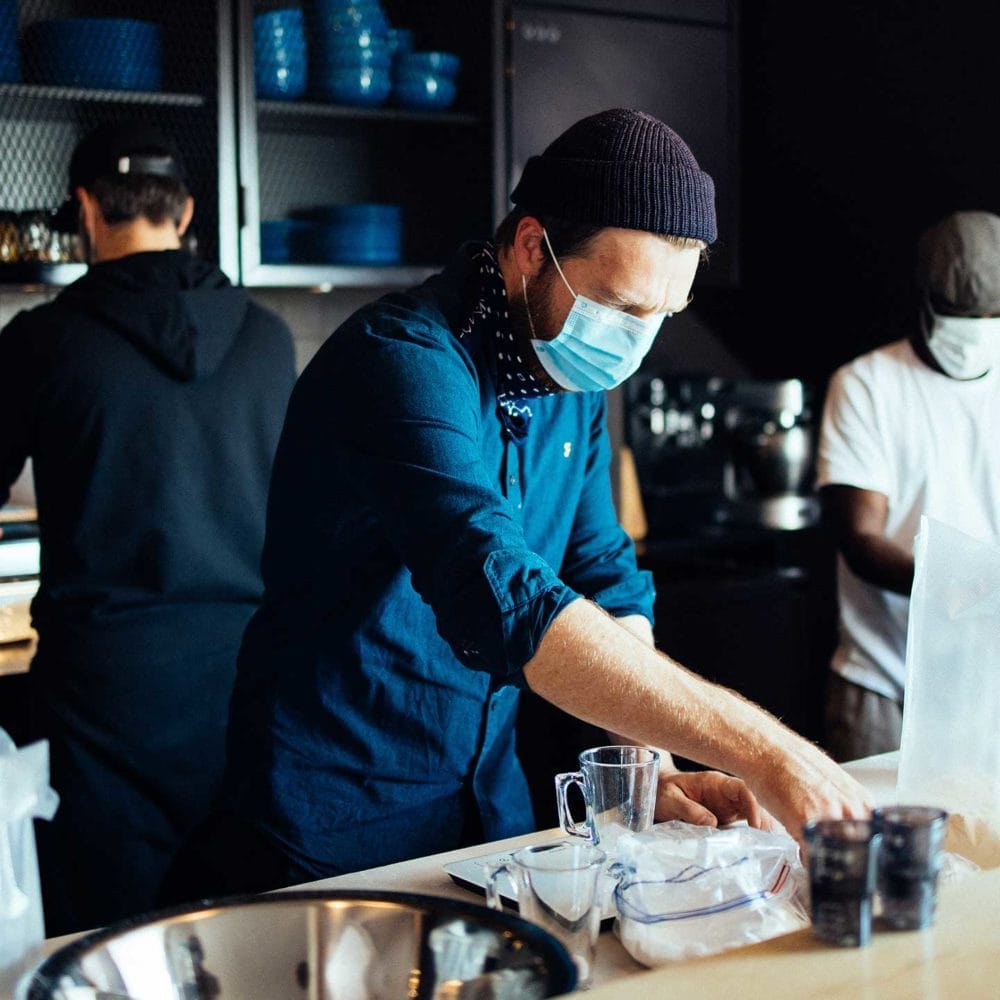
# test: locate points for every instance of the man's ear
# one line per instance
(527, 250)
(90, 210)
(186, 216)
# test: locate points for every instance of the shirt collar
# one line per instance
(489, 321)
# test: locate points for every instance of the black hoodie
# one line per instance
(150, 395)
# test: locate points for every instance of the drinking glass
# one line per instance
(908, 863)
(842, 865)
(558, 886)
(619, 790)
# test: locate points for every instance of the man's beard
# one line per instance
(539, 324)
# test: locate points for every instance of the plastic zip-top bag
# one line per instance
(687, 890)
(24, 795)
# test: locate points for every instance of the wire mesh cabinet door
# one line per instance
(67, 66)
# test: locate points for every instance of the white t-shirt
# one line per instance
(929, 443)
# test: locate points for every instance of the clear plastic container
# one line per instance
(24, 795)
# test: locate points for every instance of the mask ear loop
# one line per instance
(552, 254)
(527, 308)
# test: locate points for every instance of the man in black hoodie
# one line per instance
(149, 395)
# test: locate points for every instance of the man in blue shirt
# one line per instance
(441, 533)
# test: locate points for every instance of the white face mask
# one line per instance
(965, 346)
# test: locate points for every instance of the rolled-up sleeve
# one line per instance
(406, 435)
(600, 560)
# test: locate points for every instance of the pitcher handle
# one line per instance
(493, 871)
(566, 822)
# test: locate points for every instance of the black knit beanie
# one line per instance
(621, 168)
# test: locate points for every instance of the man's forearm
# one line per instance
(881, 562)
(640, 627)
(593, 668)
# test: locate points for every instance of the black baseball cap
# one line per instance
(116, 150)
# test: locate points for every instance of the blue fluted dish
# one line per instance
(361, 86)
(105, 53)
(425, 91)
(280, 55)
(336, 16)
(359, 232)
(383, 213)
(360, 48)
(439, 63)
(284, 241)
(400, 41)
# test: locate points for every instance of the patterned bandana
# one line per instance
(489, 319)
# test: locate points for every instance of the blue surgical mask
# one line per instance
(598, 347)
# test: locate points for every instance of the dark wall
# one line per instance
(862, 124)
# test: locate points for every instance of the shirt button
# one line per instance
(512, 480)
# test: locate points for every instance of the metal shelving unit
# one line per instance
(43, 114)
(325, 277)
(295, 156)
(251, 160)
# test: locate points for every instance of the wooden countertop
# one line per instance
(956, 959)
(15, 657)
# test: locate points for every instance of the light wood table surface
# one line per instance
(957, 959)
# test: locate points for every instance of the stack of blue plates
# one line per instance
(351, 52)
(106, 53)
(284, 241)
(361, 233)
(279, 48)
(425, 80)
(10, 62)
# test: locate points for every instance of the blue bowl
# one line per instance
(280, 54)
(423, 90)
(400, 41)
(286, 240)
(10, 61)
(105, 53)
(334, 16)
(357, 245)
(359, 49)
(359, 232)
(361, 86)
(369, 213)
(439, 63)
(360, 38)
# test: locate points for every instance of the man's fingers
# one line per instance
(745, 804)
(673, 803)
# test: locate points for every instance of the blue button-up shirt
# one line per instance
(417, 550)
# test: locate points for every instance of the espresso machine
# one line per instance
(713, 454)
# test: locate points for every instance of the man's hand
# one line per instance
(709, 798)
(802, 783)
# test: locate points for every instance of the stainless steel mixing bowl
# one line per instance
(314, 946)
(778, 459)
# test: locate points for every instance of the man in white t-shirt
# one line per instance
(910, 428)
